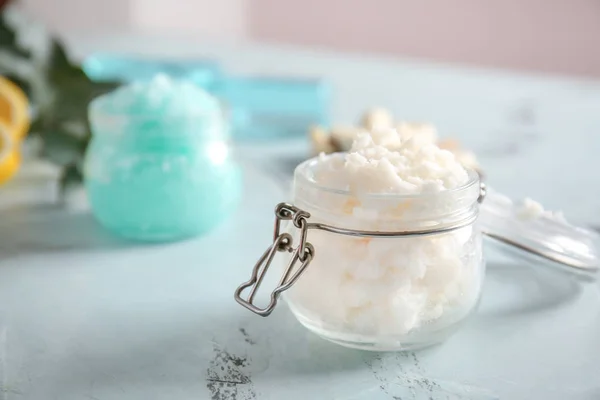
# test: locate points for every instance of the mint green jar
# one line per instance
(159, 167)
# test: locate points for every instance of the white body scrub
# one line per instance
(382, 162)
(388, 293)
(530, 209)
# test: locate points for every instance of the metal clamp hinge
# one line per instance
(282, 242)
(482, 192)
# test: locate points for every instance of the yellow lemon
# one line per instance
(14, 109)
(10, 155)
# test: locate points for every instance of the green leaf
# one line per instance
(71, 175)
(58, 57)
(62, 148)
(60, 92)
(8, 39)
(36, 126)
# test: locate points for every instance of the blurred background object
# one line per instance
(258, 107)
(40, 83)
(159, 167)
(14, 125)
(60, 89)
(280, 68)
(535, 35)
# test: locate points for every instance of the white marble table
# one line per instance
(84, 315)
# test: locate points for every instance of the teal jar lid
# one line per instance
(540, 237)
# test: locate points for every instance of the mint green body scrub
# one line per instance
(158, 167)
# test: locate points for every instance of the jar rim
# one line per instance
(98, 106)
(114, 123)
(303, 176)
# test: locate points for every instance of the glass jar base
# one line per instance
(376, 347)
(152, 237)
(156, 234)
(161, 219)
(410, 342)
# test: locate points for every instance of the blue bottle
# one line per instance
(270, 107)
(125, 68)
(257, 107)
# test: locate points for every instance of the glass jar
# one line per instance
(159, 177)
(389, 272)
(383, 272)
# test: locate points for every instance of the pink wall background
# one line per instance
(545, 35)
(80, 15)
(558, 36)
(215, 18)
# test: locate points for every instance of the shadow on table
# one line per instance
(49, 227)
(207, 353)
(279, 346)
(514, 290)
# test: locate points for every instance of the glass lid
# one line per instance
(525, 230)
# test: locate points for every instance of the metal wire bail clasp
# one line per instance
(282, 242)
(482, 192)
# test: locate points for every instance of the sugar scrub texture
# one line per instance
(162, 95)
(158, 163)
(393, 162)
(160, 108)
(530, 209)
(525, 210)
(387, 287)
